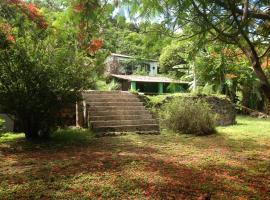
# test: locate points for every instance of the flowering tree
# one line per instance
(243, 24)
(43, 67)
(86, 14)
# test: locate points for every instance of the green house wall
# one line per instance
(152, 88)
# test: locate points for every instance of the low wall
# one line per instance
(224, 109)
(9, 123)
(67, 116)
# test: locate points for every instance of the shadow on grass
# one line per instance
(239, 124)
(72, 136)
(217, 140)
(57, 141)
(118, 168)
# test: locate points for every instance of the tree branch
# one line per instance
(245, 13)
(266, 51)
(228, 38)
(250, 13)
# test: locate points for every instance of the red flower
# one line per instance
(42, 24)
(78, 7)
(32, 12)
(10, 38)
(16, 2)
(95, 45)
(6, 38)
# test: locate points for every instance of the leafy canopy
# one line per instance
(243, 24)
(43, 63)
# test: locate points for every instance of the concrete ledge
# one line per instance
(129, 128)
(119, 117)
(138, 122)
(104, 134)
(9, 123)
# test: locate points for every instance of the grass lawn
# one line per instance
(233, 164)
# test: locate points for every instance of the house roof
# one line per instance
(149, 79)
(132, 57)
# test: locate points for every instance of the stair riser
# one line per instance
(119, 117)
(117, 99)
(116, 108)
(118, 112)
(108, 96)
(107, 92)
(96, 124)
(119, 104)
(128, 129)
(102, 134)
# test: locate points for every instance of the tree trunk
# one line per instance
(265, 86)
(232, 92)
(255, 61)
(30, 128)
(30, 135)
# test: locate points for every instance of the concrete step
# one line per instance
(121, 104)
(119, 117)
(102, 134)
(128, 128)
(118, 112)
(116, 108)
(115, 99)
(108, 96)
(105, 92)
(97, 124)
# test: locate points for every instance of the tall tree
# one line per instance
(43, 63)
(142, 40)
(243, 23)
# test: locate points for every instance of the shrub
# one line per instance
(1, 123)
(188, 116)
(44, 68)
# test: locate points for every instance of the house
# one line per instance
(141, 75)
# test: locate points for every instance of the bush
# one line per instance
(188, 116)
(1, 123)
(45, 68)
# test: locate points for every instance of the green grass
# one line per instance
(248, 128)
(10, 137)
(72, 136)
(233, 164)
(59, 139)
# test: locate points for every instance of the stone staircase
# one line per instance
(117, 112)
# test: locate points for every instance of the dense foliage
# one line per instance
(50, 50)
(188, 116)
(172, 56)
(43, 67)
(1, 123)
(144, 40)
(242, 24)
(216, 68)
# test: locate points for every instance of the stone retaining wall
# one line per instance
(224, 109)
(9, 123)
